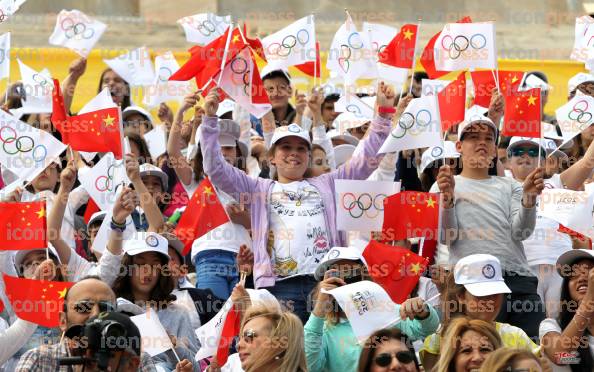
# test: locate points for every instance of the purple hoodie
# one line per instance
(256, 191)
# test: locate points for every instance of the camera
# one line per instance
(99, 337)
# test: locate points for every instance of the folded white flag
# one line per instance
(163, 90)
(5, 55)
(432, 87)
(379, 36)
(204, 27)
(156, 139)
(103, 180)
(419, 126)
(466, 46)
(77, 31)
(209, 334)
(584, 38)
(367, 306)
(102, 237)
(355, 105)
(155, 339)
(293, 45)
(134, 66)
(360, 204)
(350, 55)
(572, 209)
(37, 90)
(575, 116)
(24, 150)
(9, 7)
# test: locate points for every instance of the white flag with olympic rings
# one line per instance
(463, 46)
(575, 116)
(293, 45)
(76, 31)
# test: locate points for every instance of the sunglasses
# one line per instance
(385, 359)
(86, 306)
(532, 152)
(249, 335)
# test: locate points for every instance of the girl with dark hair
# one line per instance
(118, 87)
(567, 341)
(387, 350)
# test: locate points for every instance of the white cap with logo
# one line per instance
(146, 242)
(481, 275)
(291, 130)
(337, 254)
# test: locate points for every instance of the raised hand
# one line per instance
(413, 307)
(533, 186)
(323, 304)
(165, 114)
(385, 96)
(68, 177)
(78, 67)
(124, 205)
(300, 102)
(211, 104)
(446, 184)
(132, 167)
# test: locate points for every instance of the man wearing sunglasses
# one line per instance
(85, 299)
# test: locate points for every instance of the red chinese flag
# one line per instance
(230, 329)
(400, 51)
(212, 85)
(91, 209)
(484, 83)
(59, 116)
(255, 44)
(411, 214)
(452, 102)
(428, 57)
(396, 269)
(23, 225)
(96, 131)
(37, 301)
(203, 213)
(522, 114)
(311, 69)
(205, 62)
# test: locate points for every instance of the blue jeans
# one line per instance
(216, 270)
(294, 294)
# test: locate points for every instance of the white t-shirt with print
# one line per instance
(551, 325)
(299, 233)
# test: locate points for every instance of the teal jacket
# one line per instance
(334, 348)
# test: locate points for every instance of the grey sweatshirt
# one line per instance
(488, 217)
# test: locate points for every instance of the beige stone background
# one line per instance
(526, 29)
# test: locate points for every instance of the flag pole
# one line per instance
(315, 54)
(412, 75)
(230, 31)
(539, 130)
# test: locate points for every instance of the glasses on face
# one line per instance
(519, 151)
(249, 335)
(385, 359)
(86, 306)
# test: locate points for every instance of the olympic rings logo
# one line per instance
(407, 121)
(76, 29)
(3, 16)
(151, 241)
(364, 204)
(580, 114)
(207, 27)
(437, 151)
(289, 42)
(12, 144)
(354, 42)
(40, 80)
(378, 49)
(105, 183)
(164, 74)
(459, 44)
(241, 73)
(355, 110)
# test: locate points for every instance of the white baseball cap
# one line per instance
(146, 242)
(567, 259)
(225, 106)
(519, 141)
(473, 120)
(348, 120)
(481, 275)
(136, 110)
(291, 130)
(552, 149)
(447, 151)
(175, 243)
(336, 254)
(19, 256)
(229, 134)
(147, 169)
(342, 153)
(335, 134)
(96, 217)
(578, 79)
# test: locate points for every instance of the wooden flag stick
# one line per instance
(412, 75)
(230, 31)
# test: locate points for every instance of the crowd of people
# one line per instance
(506, 291)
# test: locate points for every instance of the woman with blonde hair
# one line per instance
(271, 341)
(506, 359)
(466, 344)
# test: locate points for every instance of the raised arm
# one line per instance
(523, 216)
(75, 71)
(174, 145)
(361, 165)
(449, 222)
(318, 130)
(574, 177)
(148, 204)
(121, 210)
(56, 216)
(222, 174)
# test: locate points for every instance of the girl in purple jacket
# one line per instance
(293, 216)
